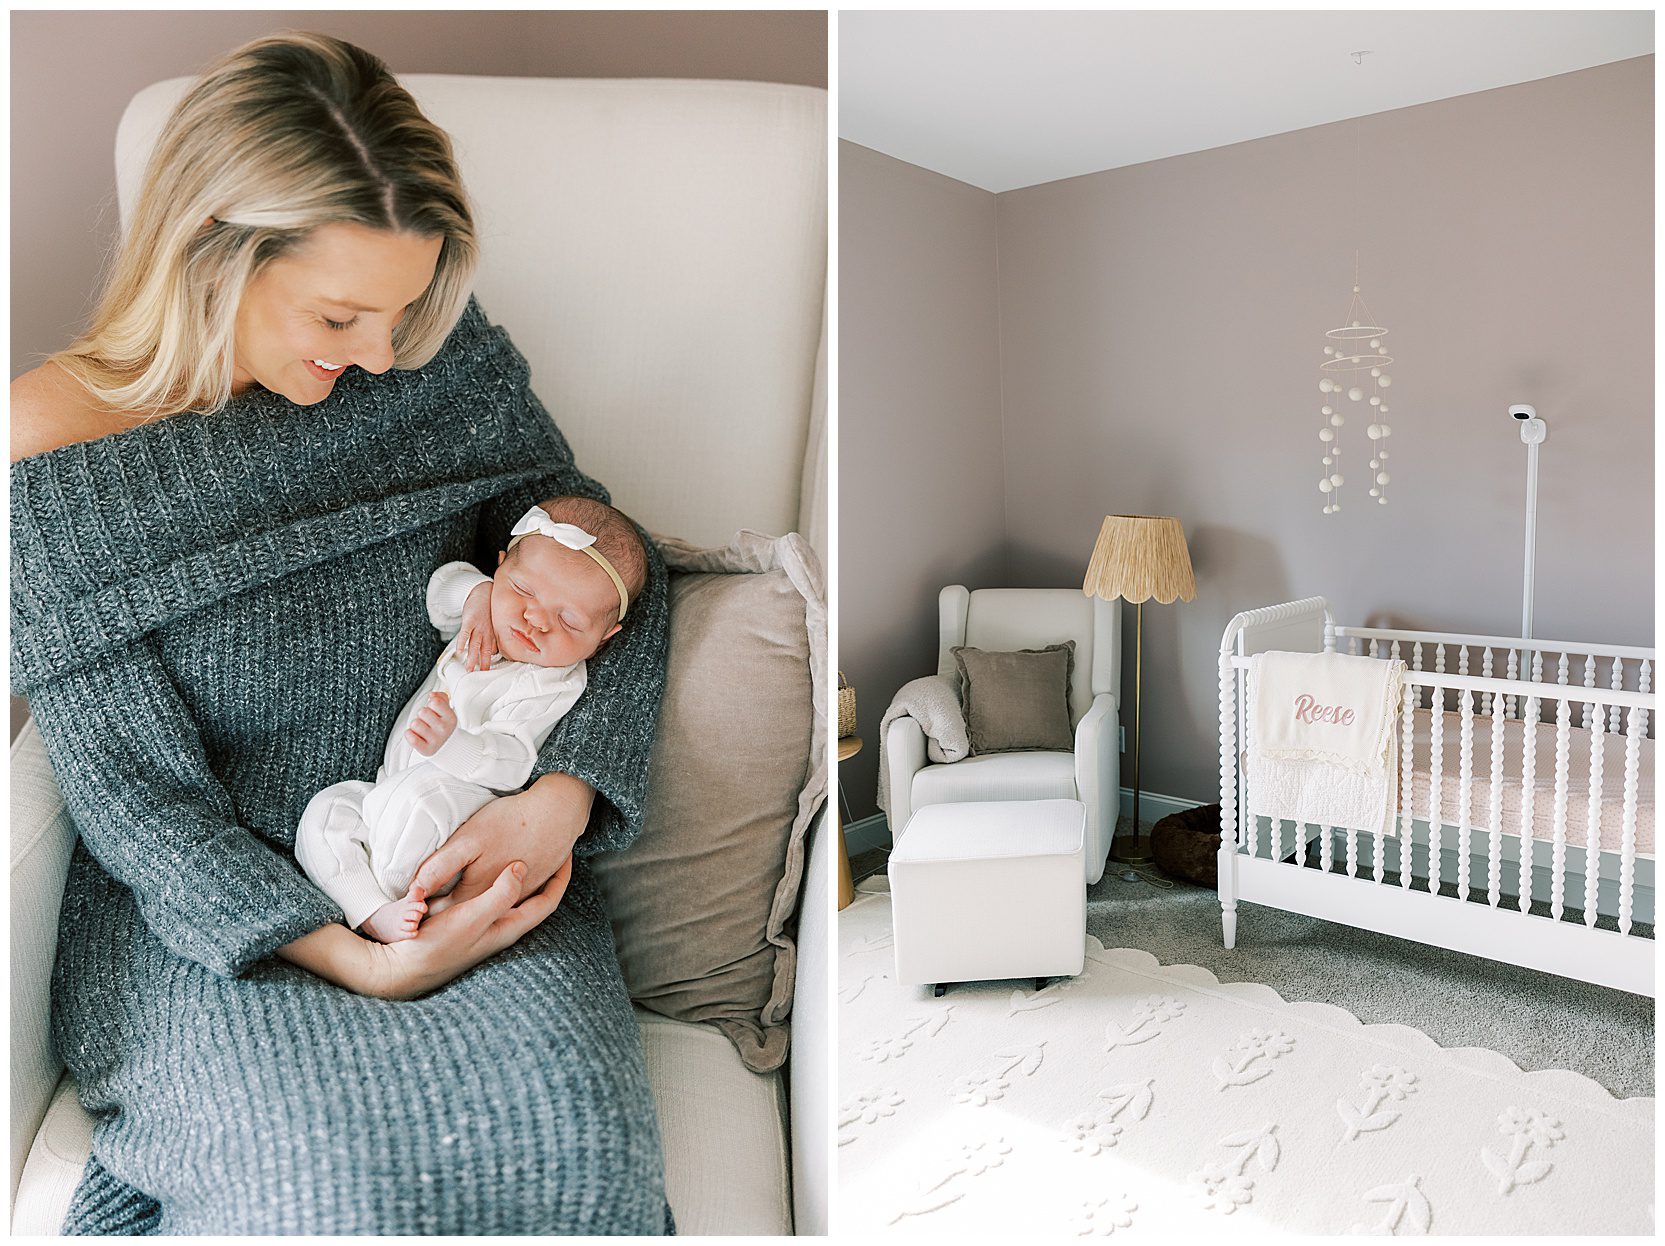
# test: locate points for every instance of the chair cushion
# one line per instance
(992, 829)
(703, 901)
(1018, 699)
(721, 1124)
(998, 776)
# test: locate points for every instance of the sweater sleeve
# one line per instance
(139, 787)
(606, 738)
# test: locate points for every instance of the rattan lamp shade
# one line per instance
(1138, 557)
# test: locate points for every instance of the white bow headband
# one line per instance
(537, 522)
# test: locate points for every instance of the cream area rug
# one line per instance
(1148, 1100)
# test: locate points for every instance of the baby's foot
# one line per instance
(397, 919)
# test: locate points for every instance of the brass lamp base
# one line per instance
(1131, 850)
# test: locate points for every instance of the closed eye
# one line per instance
(339, 324)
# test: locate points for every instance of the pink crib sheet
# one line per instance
(1611, 819)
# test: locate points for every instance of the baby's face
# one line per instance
(550, 605)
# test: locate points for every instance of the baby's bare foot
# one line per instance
(397, 919)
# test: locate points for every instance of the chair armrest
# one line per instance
(42, 839)
(1098, 778)
(809, 1069)
(904, 758)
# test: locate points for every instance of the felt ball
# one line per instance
(1384, 408)
(1336, 480)
(1325, 434)
(1329, 350)
(1384, 381)
(1328, 460)
(1375, 372)
(1324, 486)
(1355, 323)
(1375, 493)
(1375, 401)
(1355, 393)
(1381, 478)
(1375, 463)
(1325, 386)
(1338, 419)
(1326, 409)
(1386, 432)
(1373, 432)
(1375, 343)
(1381, 501)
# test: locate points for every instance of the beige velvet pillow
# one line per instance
(703, 903)
(1017, 700)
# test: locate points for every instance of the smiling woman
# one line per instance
(288, 339)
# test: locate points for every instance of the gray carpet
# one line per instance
(1536, 1019)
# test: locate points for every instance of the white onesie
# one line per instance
(362, 842)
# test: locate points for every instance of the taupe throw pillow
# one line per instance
(1017, 700)
(702, 904)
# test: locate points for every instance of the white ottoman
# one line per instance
(990, 889)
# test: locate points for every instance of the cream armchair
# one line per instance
(657, 250)
(1025, 618)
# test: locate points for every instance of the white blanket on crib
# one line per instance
(1322, 744)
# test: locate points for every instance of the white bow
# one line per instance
(537, 520)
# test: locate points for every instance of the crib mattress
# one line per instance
(1611, 821)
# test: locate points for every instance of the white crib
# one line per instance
(1526, 779)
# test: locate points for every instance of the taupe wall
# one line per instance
(1160, 329)
(73, 73)
(919, 458)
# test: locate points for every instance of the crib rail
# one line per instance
(1510, 840)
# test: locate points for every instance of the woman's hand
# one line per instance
(538, 826)
(468, 932)
(476, 637)
(445, 947)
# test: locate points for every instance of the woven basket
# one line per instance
(846, 707)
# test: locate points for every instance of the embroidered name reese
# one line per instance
(1309, 711)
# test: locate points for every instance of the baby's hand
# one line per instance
(476, 638)
(433, 725)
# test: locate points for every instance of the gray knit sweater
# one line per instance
(215, 616)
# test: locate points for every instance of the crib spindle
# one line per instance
(1326, 849)
(1627, 858)
(1592, 831)
(1513, 670)
(1436, 815)
(1462, 659)
(1615, 715)
(1528, 793)
(1416, 656)
(1352, 850)
(1588, 707)
(1558, 850)
(1375, 648)
(1407, 817)
(1354, 647)
(1644, 685)
(1494, 833)
(1465, 772)
(1486, 673)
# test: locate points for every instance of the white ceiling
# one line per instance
(1004, 99)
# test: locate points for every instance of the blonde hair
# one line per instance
(283, 135)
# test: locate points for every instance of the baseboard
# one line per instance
(1154, 805)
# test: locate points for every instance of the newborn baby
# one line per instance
(473, 730)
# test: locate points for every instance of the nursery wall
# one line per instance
(919, 449)
(1161, 329)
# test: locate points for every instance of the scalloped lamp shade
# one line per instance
(1138, 557)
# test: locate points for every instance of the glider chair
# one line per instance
(1004, 619)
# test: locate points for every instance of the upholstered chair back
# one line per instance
(1031, 618)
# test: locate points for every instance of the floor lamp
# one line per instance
(1138, 557)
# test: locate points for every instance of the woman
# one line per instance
(226, 500)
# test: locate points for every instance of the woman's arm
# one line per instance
(606, 739)
(130, 761)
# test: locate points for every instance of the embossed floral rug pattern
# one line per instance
(1141, 1099)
